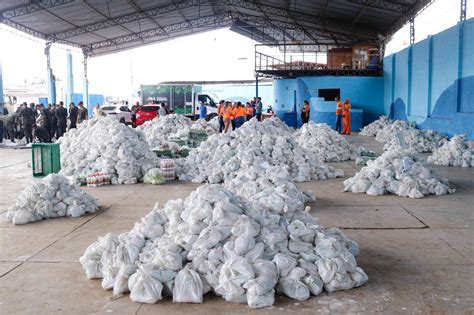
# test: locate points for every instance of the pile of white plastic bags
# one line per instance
(215, 240)
(52, 197)
(456, 152)
(105, 145)
(266, 143)
(326, 143)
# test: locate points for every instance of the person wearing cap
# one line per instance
(240, 115)
(220, 114)
(347, 117)
(339, 110)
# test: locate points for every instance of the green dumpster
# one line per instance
(46, 159)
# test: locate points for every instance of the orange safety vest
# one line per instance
(249, 111)
(227, 112)
(347, 108)
(220, 110)
(240, 112)
(339, 108)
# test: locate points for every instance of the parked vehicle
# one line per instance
(181, 98)
(121, 112)
(146, 112)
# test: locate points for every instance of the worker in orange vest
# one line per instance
(220, 113)
(233, 114)
(240, 115)
(227, 115)
(347, 117)
(339, 110)
(248, 111)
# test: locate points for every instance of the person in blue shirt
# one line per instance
(202, 111)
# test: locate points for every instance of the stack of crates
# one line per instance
(46, 159)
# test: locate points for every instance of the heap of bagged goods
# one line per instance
(105, 145)
(255, 143)
(211, 126)
(422, 141)
(217, 241)
(171, 150)
(269, 187)
(399, 172)
(325, 142)
(455, 152)
(372, 129)
(52, 197)
(158, 130)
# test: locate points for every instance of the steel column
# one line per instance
(1, 87)
(412, 30)
(463, 10)
(50, 79)
(85, 89)
(70, 79)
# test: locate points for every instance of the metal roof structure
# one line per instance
(101, 27)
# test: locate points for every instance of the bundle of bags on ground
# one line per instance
(255, 143)
(105, 145)
(325, 142)
(159, 129)
(52, 197)
(211, 126)
(455, 152)
(385, 129)
(400, 172)
(215, 240)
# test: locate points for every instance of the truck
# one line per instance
(182, 98)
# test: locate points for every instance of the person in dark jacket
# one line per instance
(53, 122)
(10, 126)
(73, 114)
(27, 119)
(41, 134)
(82, 113)
(61, 118)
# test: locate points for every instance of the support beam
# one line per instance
(463, 10)
(128, 18)
(70, 80)
(33, 6)
(385, 6)
(412, 30)
(413, 11)
(1, 88)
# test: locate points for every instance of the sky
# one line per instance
(215, 55)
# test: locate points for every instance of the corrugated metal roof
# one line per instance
(106, 26)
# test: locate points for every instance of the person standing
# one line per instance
(258, 108)
(73, 114)
(61, 118)
(240, 115)
(249, 112)
(82, 113)
(134, 111)
(233, 114)
(27, 118)
(10, 126)
(339, 111)
(347, 117)
(202, 111)
(305, 112)
(227, 115)
(162, 110)
(220, 113)
(53, 122)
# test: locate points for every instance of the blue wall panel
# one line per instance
(442, 82)
(365, 93)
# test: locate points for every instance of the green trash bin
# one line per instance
(46, 159)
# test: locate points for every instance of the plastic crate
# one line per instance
(46, 159)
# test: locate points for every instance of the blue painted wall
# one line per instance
(432, 82)
(365, 93)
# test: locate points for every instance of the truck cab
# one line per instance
(210, 103)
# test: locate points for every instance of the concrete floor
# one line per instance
(418, 254)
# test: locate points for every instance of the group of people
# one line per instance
(40, 122)
(235, 114)
(343, 114)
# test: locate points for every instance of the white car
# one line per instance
(122, 112)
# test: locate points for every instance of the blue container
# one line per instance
(290, 119)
